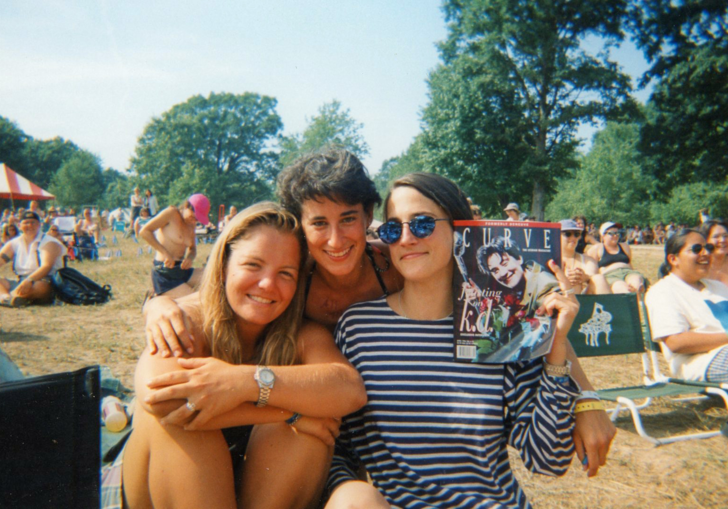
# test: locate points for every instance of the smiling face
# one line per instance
(261, 276)
(335, 234)
(30, 227)
(611, 237)
(719, 238)
(420, 259)
(506, 269)
(569, 240)
(688, 266)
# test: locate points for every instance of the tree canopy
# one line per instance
(79, 181)
(332, 126)
(514, 85)
(220, 145)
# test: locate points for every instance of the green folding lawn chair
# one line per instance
(610, 325)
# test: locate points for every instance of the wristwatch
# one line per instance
(265, 378)
(552, 370)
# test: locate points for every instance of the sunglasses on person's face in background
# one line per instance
(698, 248)
(613, 234)
(570, 234)
(421, 227)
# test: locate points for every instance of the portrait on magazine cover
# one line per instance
(501, 280)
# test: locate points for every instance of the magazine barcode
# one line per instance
(466, 352)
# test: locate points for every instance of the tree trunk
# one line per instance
(537, 201)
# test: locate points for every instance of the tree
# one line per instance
(12, 141)
(513, 87)
(43, 158)
(331, 127)
(78, 181)
(117, 189)
(686, 43)
(220, 145)
(610, 184)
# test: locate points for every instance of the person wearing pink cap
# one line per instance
(172, 235)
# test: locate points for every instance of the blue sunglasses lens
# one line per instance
(421, 227)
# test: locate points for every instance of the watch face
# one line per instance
(266, 376)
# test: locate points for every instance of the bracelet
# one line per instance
(552, 370)
(586, 406)
(293, 419)
(588, 395)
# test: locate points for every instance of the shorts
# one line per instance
(165, 279)
(718, 368)
(15, 284)
(620, 275)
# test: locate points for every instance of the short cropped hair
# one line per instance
(337, 175)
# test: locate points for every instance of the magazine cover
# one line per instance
(500, 280)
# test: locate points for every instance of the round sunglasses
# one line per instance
(421, 227)
(568, 234)
(698, 248)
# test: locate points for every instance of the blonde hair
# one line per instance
(278, 344)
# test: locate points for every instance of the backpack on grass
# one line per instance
(73, 287)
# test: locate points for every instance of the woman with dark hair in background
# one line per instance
(10, 231)
(689, 312)
(434, 431)
(716, 233)
(585, 238)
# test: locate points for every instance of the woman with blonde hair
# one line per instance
(285, 377)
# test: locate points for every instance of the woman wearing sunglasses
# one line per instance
(716, 233)
(334, 199)
(688, 312)
(614, 259)
(434, 431)
(581, 269)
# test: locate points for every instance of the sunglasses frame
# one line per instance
(709, 248)
(571, 233)
(413, 229)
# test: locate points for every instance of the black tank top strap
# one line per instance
(369, 250)
(608, 259)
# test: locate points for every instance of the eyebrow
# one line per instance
(260, 259)
(346, 213)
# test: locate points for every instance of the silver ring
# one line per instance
(191, 406)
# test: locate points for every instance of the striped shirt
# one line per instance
(434, 431)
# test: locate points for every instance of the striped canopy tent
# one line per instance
(17, 187)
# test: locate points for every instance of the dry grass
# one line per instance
(58, 338)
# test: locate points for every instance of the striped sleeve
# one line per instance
(540, 411)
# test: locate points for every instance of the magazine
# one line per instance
(500, 280)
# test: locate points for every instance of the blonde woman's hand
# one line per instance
(563, 302)
(167, 328)
(211, 387)
(325, 429)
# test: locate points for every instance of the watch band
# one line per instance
(263, 396)
(263, 387)
(552, 370)
(588, 395)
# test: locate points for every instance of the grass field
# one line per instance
(59, 338)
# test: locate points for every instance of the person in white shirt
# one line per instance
(689, 313)
(35, 257)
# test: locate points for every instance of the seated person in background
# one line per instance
(586, 238)
(614, 259)
(658, 233)
(172, 235)
(689, 313)
(144, 217)
(10, 231)
(716, 233)
(88, 227)
(634, 236)
(35, 257)
(582, 270)
(54, 232)
(228, 217)
(513, 212)
(648, 236)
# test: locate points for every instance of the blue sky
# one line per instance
(96, 72)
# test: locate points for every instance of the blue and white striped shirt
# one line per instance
(434, 431)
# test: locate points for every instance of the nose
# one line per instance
(407, 237)
(267, 281)
(336, 238)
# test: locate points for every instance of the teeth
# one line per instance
(338, 254)
(260, 299)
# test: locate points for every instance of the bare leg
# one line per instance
(168, 467)
(598, 285)
(635, 283)
(4, 289)
(356, 495)
(283, 469)
(620, 287)
(40, 293)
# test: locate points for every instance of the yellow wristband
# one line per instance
(585, 406)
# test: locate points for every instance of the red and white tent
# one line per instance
(17, 187)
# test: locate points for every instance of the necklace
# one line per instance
(401, 306)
